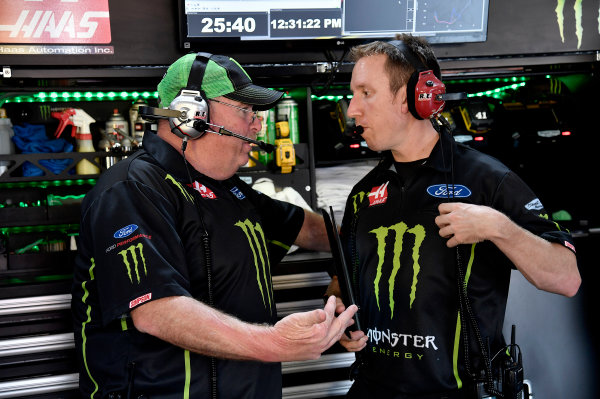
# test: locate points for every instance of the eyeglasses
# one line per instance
(253, 113)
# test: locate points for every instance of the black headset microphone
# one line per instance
(225, 132)
(200, 125)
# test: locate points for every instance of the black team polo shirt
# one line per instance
(140, 240)
(406, 276)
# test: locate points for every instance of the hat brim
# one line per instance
(261, 98)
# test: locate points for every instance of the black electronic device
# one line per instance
(512, 371)
(341, 269)
(325, 24)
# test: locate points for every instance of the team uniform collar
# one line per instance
(168, 157)
(442, 153)
(440, 157)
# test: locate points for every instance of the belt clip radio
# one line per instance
(506, 381)
(512, 371)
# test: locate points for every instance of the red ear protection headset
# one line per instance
(424, 89)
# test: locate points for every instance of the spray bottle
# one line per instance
(116, 120)
(81, 131)
(136, 120)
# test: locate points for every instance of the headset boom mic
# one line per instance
(451, 96)
(225, 132)
(158, 113)
(201, 125)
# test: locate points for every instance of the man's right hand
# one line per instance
(306, 335)
(357, 340)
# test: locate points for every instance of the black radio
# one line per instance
(508, 380)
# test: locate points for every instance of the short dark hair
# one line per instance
(398, 68)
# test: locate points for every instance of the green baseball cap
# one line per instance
(223, 76)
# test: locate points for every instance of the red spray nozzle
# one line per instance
(65, 119)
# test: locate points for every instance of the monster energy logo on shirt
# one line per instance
(184, 192)
(256, 238)
(399, 230)
(131, 250)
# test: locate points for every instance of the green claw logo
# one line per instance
(184, 192)
(400, 230)
(560, 19)
(256, 239)
(136, 263)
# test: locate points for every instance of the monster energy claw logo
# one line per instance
(258, 244)
(560, 19)
(399, 230)
(136, 263)
(184, 192)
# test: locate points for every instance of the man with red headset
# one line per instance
(431, 235)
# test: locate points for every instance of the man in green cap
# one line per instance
(172, 293)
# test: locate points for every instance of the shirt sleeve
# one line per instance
(137, 255)
(520, 203)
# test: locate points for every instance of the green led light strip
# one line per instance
(48, 183)
(66, 96)
(40, 228)
(513, 79)
(515, 83)
(498, 92)
(332, 98)
(37, 279)
(57, 200)
(68, 197)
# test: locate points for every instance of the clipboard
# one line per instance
(341, 268)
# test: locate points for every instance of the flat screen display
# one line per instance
(440, 21)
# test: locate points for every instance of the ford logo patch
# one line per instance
(441, 191)
(125, 231)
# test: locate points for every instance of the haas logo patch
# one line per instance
(378, 195)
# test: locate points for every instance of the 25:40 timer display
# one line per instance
(277, 24)
(221, 25)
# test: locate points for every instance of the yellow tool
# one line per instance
(285, 155)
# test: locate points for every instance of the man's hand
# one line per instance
(303, 336)
(357, 340)
(334, 289)
(549, 266)
(355, 343)
(465, 223)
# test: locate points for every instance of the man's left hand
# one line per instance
(464, 223)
